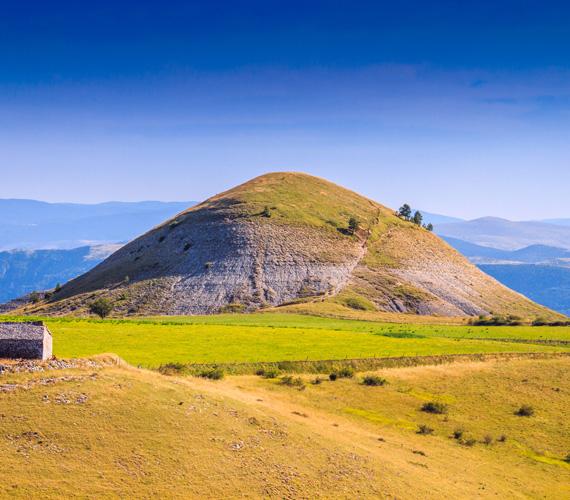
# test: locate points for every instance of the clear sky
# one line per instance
(458, 107)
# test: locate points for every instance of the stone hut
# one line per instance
(31, 340)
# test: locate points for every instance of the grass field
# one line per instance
(116, 432)
(151, 342)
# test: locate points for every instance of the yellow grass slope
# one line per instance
(121, 432)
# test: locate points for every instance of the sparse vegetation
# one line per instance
(213, 374)
(291, 381)
(424, 429)
(102, 307)
(269, 374)
(497, 320)
(333, 377)
(434, 407)
(405, 212)
(345, 372)
(488, 439)
(469, 442)
(353, 224)
(525, 411)
(417, 218)
(266, 212)
(458, 433)
(374, 380)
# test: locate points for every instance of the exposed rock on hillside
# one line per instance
(284, 237)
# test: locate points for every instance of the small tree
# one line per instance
(352, 225)
(101, 307)
(266, 212)
(429, 226)
(405, 211)
(418, 217)
(57, 288)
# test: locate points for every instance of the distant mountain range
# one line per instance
(533, 254)
(559, 222)
(22, 272)
(507, 235)
(30, 224)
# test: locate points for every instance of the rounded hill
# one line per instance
(283, 238)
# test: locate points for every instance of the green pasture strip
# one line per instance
(152, 344)
(267, 321)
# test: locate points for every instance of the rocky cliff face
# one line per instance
(281, 238)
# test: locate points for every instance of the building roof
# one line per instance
(22, 331)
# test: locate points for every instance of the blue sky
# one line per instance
(457, 107)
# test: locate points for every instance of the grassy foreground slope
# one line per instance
(280, 337)
(115, 431)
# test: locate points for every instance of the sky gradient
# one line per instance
(460, 108)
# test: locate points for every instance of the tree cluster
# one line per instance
(405, 212)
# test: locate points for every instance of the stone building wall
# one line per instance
(25, 340)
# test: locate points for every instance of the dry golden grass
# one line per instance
(117, 431)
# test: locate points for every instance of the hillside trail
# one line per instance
(398, 457)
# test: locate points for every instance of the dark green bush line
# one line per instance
(344, 366)
(553, 342)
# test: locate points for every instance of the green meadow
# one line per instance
(150, 342)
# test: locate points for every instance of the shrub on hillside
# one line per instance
(497, 320)
(374, 380)
(345, 373)
(102, 307)
(171, 368)
(271, 373)
(458, 433)
(333, 376)
(290, 381)
(424, 429)
(434, 407)
(212, 374)
(353, 224)
(525, 411)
